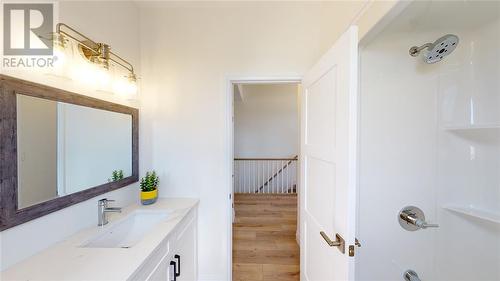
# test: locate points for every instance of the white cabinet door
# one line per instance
(186, 253)
(163, 270)
(180, 257)
(328, 166)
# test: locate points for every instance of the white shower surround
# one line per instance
(430, 137)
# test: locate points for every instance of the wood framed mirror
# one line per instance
(59, 148)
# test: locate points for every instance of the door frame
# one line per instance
(229, 81)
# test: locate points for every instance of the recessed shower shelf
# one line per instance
(475, 212)
(471, 127)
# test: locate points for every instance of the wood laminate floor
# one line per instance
(264, 244)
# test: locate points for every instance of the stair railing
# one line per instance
(265, 175)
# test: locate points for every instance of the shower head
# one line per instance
(438, 50)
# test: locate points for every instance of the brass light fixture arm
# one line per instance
(128, 65)
(94, 47)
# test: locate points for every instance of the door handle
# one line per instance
(339, 241)
(173, 263)
(178, 270)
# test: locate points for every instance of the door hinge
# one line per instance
(351, 247)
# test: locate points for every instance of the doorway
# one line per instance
(266, 145)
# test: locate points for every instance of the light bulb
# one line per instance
(102, 76)
(59, 57)
(59, 51)
(120, 86)
(125, 86)
(84, 73)
(132, 84)
(131, 87)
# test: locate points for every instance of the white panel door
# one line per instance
(328, 166)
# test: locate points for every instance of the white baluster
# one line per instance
(263, 176)
(267, 175)
(253, 176)
(277, 177)
(281, 175)
(276, 182)
(278, 186)
(272, 177)
(258, 175)
(295, 177)
(287, 177)
(269, 188)
(268, 172)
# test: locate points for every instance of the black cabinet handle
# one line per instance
(175, 266)
(178, 272)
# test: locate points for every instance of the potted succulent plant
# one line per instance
(149, 188)
(116, 175)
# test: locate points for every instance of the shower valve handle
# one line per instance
(412, 218)
(424, 224)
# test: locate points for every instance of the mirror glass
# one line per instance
(65, 148)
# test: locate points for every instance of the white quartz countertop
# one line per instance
(68, 260)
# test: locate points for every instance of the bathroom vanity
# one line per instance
(82, 143)
(155, 242)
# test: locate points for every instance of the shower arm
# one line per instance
(415, 50)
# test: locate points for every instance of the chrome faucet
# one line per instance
(102, 209)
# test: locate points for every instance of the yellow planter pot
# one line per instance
(149, 197)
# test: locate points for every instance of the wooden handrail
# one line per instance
(266, 159)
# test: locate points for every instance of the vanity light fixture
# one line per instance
(98, 54)
(59, 43)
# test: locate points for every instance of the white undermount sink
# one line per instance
(126, 232)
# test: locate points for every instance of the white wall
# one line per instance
(190, 49)
(266, 121)
(116, 23)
